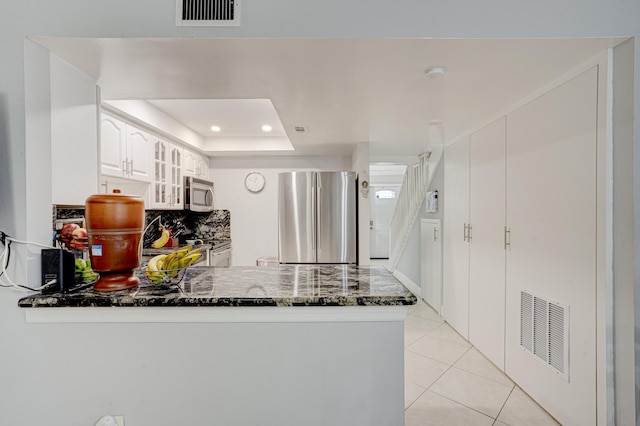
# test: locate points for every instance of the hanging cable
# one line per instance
(5, 281)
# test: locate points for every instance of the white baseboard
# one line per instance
(413, 287)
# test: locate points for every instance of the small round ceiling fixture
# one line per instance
(215, 128)
(436, 71)
(266, 128)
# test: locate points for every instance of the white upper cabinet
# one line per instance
(203, 167)
(126, 151)
(112, 150)
(195, 164)
(139, 154)
(133, 154)
(190, 163)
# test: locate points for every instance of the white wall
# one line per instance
(410, 264)
(74, 128)
(25, 205)
(360, 164)
(254, 216)
(622, 290)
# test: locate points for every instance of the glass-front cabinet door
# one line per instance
(159, 192)
(176, 161)
(167, 189)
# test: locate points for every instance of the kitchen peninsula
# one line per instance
(286, 344)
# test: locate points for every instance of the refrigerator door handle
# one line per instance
(317, 220)
(314, 215)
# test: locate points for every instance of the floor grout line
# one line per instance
(484, 377)
(504, 404)
(464, 405)
(468, 346)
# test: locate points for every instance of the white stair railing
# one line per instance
(410, 199)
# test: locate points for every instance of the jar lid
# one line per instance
(115, 198)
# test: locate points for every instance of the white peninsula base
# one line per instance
(311, 366)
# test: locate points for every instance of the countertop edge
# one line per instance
(231, 314)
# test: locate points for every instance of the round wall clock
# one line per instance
(254, 182)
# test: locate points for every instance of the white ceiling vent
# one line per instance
(544, 331)
(207, 13)
(300, 129)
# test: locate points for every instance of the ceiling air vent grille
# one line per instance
(300, 129)
(207, 13)
(544, 331)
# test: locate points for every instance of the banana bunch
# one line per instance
(163, 239)
(166, 266)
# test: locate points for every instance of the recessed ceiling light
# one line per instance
(435, 72)
(215, 128)
(266, 128)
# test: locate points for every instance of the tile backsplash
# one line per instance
(206, 226)
(215, 225)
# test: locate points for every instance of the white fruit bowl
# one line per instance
(161, 277)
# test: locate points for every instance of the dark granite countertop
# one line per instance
(278, 285)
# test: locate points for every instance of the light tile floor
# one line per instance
(449, 382)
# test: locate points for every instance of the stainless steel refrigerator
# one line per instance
(317, 217)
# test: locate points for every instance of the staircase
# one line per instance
(410, 200)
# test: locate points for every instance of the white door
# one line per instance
(382, 204)
(455, 284)
(551, 212)
(431, 262)
(486, 250)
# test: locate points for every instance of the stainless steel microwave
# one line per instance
(198, 194)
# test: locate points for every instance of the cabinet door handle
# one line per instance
(507, 238)
(435, 234)
(469, 229)
(125, 168)
(464, 235)
(130, 167)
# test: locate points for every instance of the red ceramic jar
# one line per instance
(115, 224)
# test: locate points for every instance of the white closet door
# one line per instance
(431, 262)
(455, 286)
(551, 212)
(487, 254)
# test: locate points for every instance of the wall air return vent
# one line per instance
(544, 331)
(207, 13)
